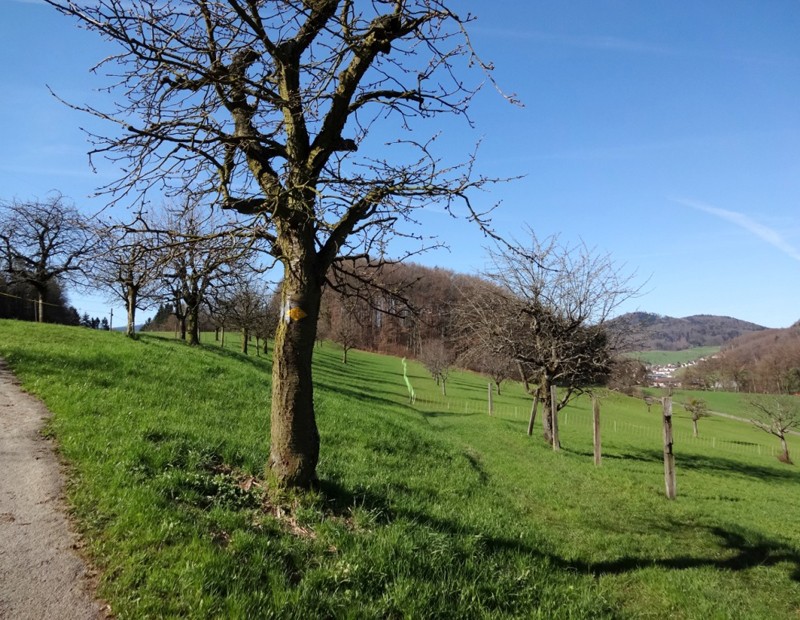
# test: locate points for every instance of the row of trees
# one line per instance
(186, 258)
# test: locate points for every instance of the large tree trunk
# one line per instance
(41, 307)
(294, 449)
(193, 312)
(547, 414)
(130, 330)
(785, 447)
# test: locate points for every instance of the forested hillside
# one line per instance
(654, 332)
(765, 361)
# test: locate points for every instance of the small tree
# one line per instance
(545, 306)
(245, 307)
(199, 255)
(698, 408)
(344, 327)
(128, 263)
(777, 415)
(438, 359)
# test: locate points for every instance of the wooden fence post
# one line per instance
(596, 429)
(491, 406)
(669, 456)
(554, 417)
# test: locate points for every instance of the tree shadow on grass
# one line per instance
(780, 473)
(739, 550)
(369, 399)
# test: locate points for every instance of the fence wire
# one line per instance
(580, 421)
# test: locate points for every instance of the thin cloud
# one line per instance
(765, 233)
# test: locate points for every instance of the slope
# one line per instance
(431, 510)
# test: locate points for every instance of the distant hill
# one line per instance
(654, 332)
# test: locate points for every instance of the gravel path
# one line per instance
(41, 575)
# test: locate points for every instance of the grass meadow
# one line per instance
(675, 357)
(427, 510)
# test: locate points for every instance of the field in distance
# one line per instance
(427, 510)
(663, 358)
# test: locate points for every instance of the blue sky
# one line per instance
(663, 133)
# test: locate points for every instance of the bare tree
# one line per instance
(200, 254)
(545, 309)
(270, 105)
(344, 327)
(128, 263)
(777, 415)
(438, 358)
(41, 241)
(245, 307)
(698, 408)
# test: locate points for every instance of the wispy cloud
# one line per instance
(763, 232)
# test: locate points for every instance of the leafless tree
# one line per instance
(127, 263)
(697, 408)
(201, 254)
(270, 104)
(41, 241)
(544, 306)
(245, 306)
(777, 415)
(438, 358)
(344, 325)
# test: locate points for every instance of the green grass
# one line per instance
(674, 357)
(431, 510)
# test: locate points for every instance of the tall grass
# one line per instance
(426, 510)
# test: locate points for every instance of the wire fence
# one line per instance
(610, 427)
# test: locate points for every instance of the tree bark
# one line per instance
(130, 330)
(785, 447)
(554, 414)
(193, 312)
(534, 406)
(294, 449)
(245, 339)
(547, 415)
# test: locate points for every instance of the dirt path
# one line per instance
(41, 576)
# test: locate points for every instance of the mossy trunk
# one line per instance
(294, 449)
(193, 312)
(785, 448)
